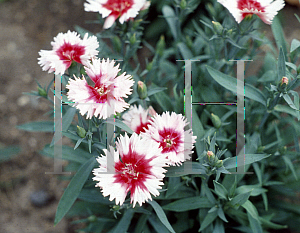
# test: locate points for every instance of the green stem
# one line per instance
(273, 104)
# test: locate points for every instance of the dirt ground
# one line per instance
(27, 26)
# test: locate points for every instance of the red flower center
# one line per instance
(142, 127)
(118, 7)
(98, 93)
(68, 53)
(249, 5)
(170, 140)
(133, 171)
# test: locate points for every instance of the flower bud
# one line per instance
(116, 208)
(183, 4)
(283, 150)
(142, 90)
(210, 155)
(81, 131)
(219, 163)
(160, 46)
(42, 92)
(189, 42)
(149, 66)
(218, 27)
(216, 121)
(92, 218)
(132, 39)
(285, 81)
(260, 149)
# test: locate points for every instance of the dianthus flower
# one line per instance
(137, 118)
(66, 48)
(168, 130)
(112, 9)
(138, 169)
(105, 97)
(264, 9)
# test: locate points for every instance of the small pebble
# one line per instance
(40, 198)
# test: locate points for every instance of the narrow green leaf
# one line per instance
(296, 102)
(265, 200)
(171, 19)
(198, 131)
(255, 190)
(141, 223)
(289, 164)
(240, 199)
(209, 218)
(93, 195)
(288, 99)
(190, 203)
(125, 221)
(255, 94)
(279, 35)
(286, 109)
(221, 214)
(154, 90)
(175, 171)
(249, 159)
(258, 173)
(164, 101)
(68, 118)
(120, 124)
(68, 153)
(157, 224)
(281, 65)
(185, 51)
(253, 217)
(38, 126)
(295, 45)
(72, 191)
(161, 215)
(230, 83)
(221, 190)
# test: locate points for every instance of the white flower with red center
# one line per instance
(137, 118)
(168, 131)
(264, 9)
(105, 97)
(66, 48)
(137, 169)
(112, 9)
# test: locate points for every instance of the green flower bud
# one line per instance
(219, 163)
(282, 150)
(132, 39)
(189, 42)
(183, 4)
(42, 92)
(260, 149)
(116, 208)
(218, 27)
(160, 46)
(216, 121)
(142, 90)
(117, 43)
(149, 66)
(92, 218)
(210, 8)
(81, 131)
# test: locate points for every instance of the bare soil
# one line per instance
(27, 26)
